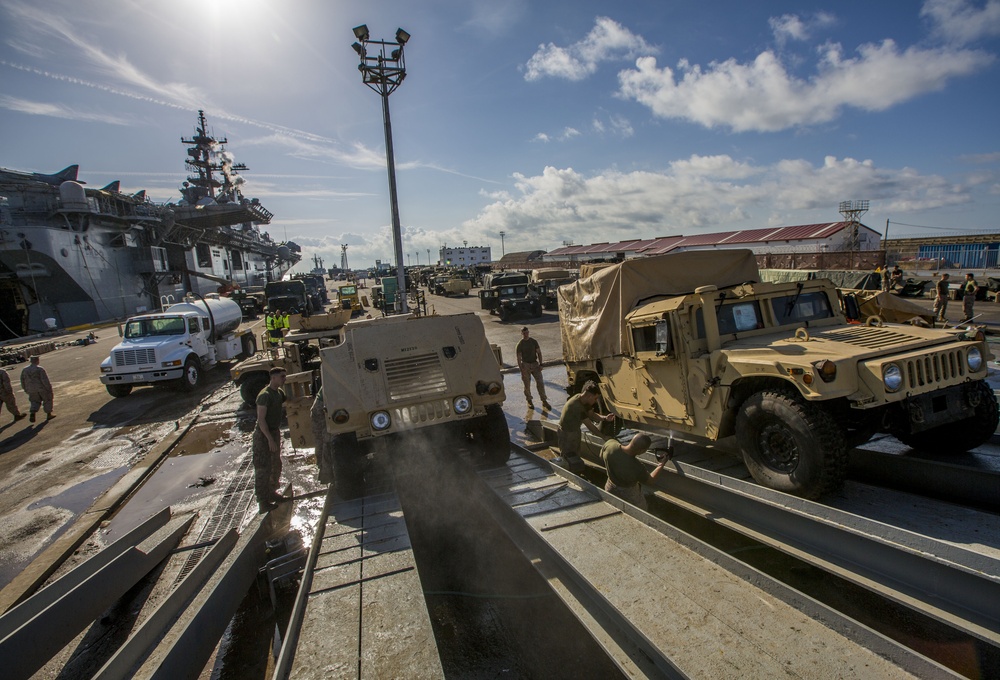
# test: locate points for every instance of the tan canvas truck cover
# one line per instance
(592, 310)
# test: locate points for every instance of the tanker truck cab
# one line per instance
(174, 346)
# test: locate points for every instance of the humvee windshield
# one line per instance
(514, 291)
(791, 309)
(144, 328)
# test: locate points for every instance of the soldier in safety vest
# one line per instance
(273, 324)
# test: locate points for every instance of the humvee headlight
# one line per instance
(380, 421)
(462, 405)
(340, 416)
(975, 359)
(892, 377)
(826, 369)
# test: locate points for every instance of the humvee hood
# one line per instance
(592, 310)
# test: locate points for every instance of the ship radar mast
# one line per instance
(206, 157)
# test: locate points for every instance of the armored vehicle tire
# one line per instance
(493, 436)
(502, 313)
(963, 435)
(791, 445)
(119, 391)
(192, 374)
(251, 387)
(348, 466)
(249, 343)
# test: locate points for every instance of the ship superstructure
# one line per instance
(73, 255)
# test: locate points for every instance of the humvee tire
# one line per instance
(791, 445)
(348, 466)
(493, 436)
(119, 391)
(251, 387)
(963, 435)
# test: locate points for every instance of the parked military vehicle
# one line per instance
(692, 343)
(287, 296)
(544, 283)
(251, 302)
(507, 296)
(395, 375)
(298, 352)
(449, 285)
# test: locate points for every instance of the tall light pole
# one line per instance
(428, 257)
(383, 72)
(502, 234)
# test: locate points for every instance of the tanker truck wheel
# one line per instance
(192, 374)
(348, 466)
(249, 343)
(791, 445)
(963, 435)
(493, 436)
(119, 391)
(251, 387)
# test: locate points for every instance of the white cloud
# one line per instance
(962, 21)
(762, 96)
(607, 41)
(698, 194)
(34, 108)
(790, 27)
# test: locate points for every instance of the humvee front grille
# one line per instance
(932, 369)
(135, 357)
(414, 376)
(867, 336)
(418, 414)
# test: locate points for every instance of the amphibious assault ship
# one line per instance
(73, 255)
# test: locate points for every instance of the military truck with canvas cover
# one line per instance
(393, 376)
(693, 343)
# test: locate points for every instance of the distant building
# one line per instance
(464, 256)
(830, 237)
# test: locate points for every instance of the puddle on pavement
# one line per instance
(204, 438)
(81, 496)
(179, 481)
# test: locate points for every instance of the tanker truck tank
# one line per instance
(226, 313)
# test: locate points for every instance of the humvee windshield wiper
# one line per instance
(795, 298)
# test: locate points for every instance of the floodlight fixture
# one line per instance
(359, 49)
(402, 36)
(361, 32)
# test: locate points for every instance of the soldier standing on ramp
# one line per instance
(529, 360)
(267, 442)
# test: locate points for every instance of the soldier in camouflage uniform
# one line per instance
(35, 383)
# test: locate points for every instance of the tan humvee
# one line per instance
(450, 285)
(394, 375)
(692, 343)
(298, 352)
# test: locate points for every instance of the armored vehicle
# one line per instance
(287, 296)
(298, 352)
(693, 343)
(450, 285)
(393, 376)
(507, 296)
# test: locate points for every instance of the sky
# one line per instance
(556, 122)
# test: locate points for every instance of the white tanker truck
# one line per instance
(174, 346)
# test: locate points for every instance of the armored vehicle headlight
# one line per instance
(974, 359)
(462, 404)
(340, 416)
(892, 377)
(380, 420)
(827, 370)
